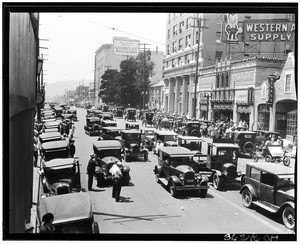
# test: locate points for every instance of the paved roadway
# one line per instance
(147, 207)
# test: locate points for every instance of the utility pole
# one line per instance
(144, 71)
(200, 28)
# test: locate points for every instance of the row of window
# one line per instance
(178, 29)
(182, 60)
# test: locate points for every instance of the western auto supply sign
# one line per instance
(258, 30)
(126, 47)
(269, 31)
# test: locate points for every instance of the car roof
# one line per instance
(242, 132)
(131, 131)
(109, 121)
(50, 123)
(191, 122)
(266, 131)
(106, 114)
(277, 169)
(93, 118)
(159, 132)
(59, 162)
(191, 138)
(50, 134)
(224, 145)
(113, 128)
(132, 123)
(66, 207)
(55, 144)
(177, 151)
(107, 144)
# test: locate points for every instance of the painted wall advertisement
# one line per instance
(126, 47)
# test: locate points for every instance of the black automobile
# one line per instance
(119, 112)
(245, 140)
(130, 114)
(110, 133)
(177, 170)
(263, 135)
(106, 116)
(149, 119)
(73, 113)
(108, 152)
(190, 128)
(132, 146)
(73, 213)
(192, 143)
(60, 176)
(147, 138)
(92, 127)
(55, 149)
(132, 126)
(50, 136)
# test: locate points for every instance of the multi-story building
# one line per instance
(218, 57)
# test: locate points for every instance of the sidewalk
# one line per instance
(35, 197)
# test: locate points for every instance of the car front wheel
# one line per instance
(173, 189)
(268, 159)
(286, 160)
(255, 157)
(288, 217)
(217, 181)
(247, 198)
(145, 157)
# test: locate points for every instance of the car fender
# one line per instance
(157, 169)
(218, 172)
(175, 179)
(284, 205)
(250, 188)
(126, 168)
(144, 150)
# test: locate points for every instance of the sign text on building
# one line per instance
(126, 47)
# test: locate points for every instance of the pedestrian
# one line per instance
(72, 148)
(91, 170)
(35, 150)
(116, 171)
(47, 226)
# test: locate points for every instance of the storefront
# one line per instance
(222, 111)
(264, 116)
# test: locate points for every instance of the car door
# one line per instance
(267, 187)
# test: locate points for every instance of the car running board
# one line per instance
(264, 206)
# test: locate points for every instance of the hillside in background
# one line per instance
(60, 88)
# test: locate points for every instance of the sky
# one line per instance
(72, 39)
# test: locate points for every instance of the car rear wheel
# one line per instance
(217, 181)
(268, 159)
(145, 157)
(286, 160)
(247, 198)
(173, 189)
(288, 217)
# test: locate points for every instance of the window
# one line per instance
(181, 25)
(168, 49)
(174, 30)
(169, 19)
(187, 40)
(179, 61)
(181, 44)
(188, 23)
(168, 33)
(255, 174)
(217, 80)
(197, 37)
(187, 58)
(174, 46)
(267, 178)
(288, 79)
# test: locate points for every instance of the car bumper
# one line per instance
(192, 187)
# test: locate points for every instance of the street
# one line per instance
(147, 207)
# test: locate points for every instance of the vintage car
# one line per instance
(92, 126)
(147, 138)
(110, 133)
(177, 171)
(48, 116)
(108, 123)
(55, 149)
(119, 112)
(106, 116)
(58, 111)
(271, 187)
(67, 117)
(132, 146)
(50, 136)
(245, 140)
(191, 142)
(263, 135)
(74, 114)
(222, 161)
(52, 124)
(190, 128)
(73, 213)
(48, 120)
(161, 137)
(51, 130)
(132, 126)
(129, 114)
(148, 121)
(60, 176)
(272, 153)
(90, 112)
(108, 152)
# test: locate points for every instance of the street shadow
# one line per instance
(130, 184)
(98, 190)
(228, 186)
(117, 218)
(125, 199)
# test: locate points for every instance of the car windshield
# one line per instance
(227, 153)
(53, 175)
(286, 181)
(109, 152)
(176, 161)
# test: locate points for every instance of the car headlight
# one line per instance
(181, 177)
(197, 176)
(225, 173)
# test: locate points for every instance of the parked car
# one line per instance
(50, 136)
(108, 123)
(107, 153)
(245, 140)
(132, 126)
(119, 112)
(161, 137)
(55, 149)
(132, 146)
(190, 128)
(58, 111)
(129, 114)
(106, 116)
(110, 133)
(73, 213)
(60, 176)
(92, 126)
(222, 161)
(52, 124)
(147, 138)
(191, 142)
(177, 171)
(45, 120)
(148, 121)
(271, 187)
(272, 153)
(74, 114)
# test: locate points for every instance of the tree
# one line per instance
(108, 88)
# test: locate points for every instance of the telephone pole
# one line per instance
(144, 71)
(200, 28)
